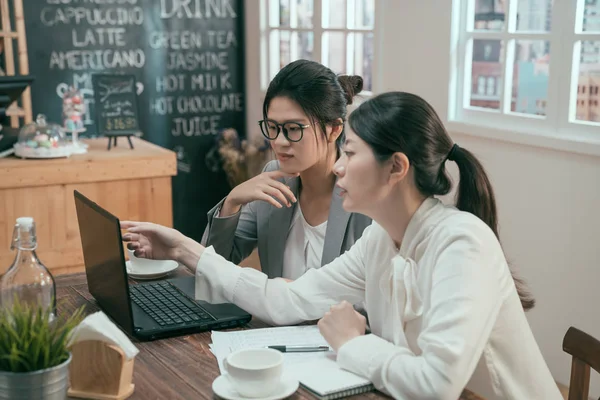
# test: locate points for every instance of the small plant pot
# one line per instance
(46, 384)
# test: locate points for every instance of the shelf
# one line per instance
(15, 57)
(15, 111)
(12, 35)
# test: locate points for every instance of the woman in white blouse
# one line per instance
(292, 211)
(445, 312)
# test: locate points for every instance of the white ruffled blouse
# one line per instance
(303, 246)
(443, 310)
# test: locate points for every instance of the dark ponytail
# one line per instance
(476, 195)
(404, 122)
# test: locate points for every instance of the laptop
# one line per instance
(145, 311)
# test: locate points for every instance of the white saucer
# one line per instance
(152, 269)
(287, 387)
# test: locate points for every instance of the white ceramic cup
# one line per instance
(134, 262)
(254, 373)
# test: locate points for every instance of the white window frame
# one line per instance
(267, 55)
(564, 38)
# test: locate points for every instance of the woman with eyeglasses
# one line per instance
(445, 311)
(292, 211)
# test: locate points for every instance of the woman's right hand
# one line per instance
(265, 187)
(152, 241)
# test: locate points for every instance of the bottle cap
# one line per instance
(25, 222)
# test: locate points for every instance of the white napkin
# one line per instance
(98, 326)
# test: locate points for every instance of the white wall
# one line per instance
(548, 200)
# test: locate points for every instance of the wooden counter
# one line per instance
(131, 184)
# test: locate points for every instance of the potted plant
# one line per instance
(34, 359)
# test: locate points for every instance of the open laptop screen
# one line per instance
(104, 260)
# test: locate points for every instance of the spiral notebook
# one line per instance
(327, 381)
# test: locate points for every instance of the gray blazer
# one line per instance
(263, 225)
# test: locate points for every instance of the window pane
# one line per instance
(530, 77)
(486, 73)
(481, 85)
(589, 80)
(285, 51)
(334, 13)
(304, 42)
(334, 51)
(363, 58)
(284, 13)
(363, 16)
(489, 14)
(291, 13)
(274, 12)
(490, 88)
(591, 16)
(287, 46)
(534, 15)
(303, 13)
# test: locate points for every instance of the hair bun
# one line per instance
(351, 85)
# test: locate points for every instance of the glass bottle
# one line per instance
(27, 278)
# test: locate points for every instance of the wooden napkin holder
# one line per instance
(99, 370)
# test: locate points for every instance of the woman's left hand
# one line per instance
(341, 324)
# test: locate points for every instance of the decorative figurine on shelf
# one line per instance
(42, 139)
(73, 109)
(240, 160)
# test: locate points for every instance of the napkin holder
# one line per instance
(100, 370)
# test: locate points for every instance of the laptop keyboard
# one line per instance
(166, 305)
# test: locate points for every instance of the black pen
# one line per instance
(299, 349)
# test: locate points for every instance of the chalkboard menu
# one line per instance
(115, 101)
(187, 57)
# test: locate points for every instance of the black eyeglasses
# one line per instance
(293, 131)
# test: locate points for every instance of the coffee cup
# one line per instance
(134, 262)
(254, 373)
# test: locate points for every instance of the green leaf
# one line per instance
(30, 342)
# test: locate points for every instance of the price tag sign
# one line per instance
(116, 104)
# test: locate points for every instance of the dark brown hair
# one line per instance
(322, 95)
(404, 122)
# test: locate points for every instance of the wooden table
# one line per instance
(130, 183)
(175, 368)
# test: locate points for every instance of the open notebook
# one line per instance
(326, 380)
(317, 372)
